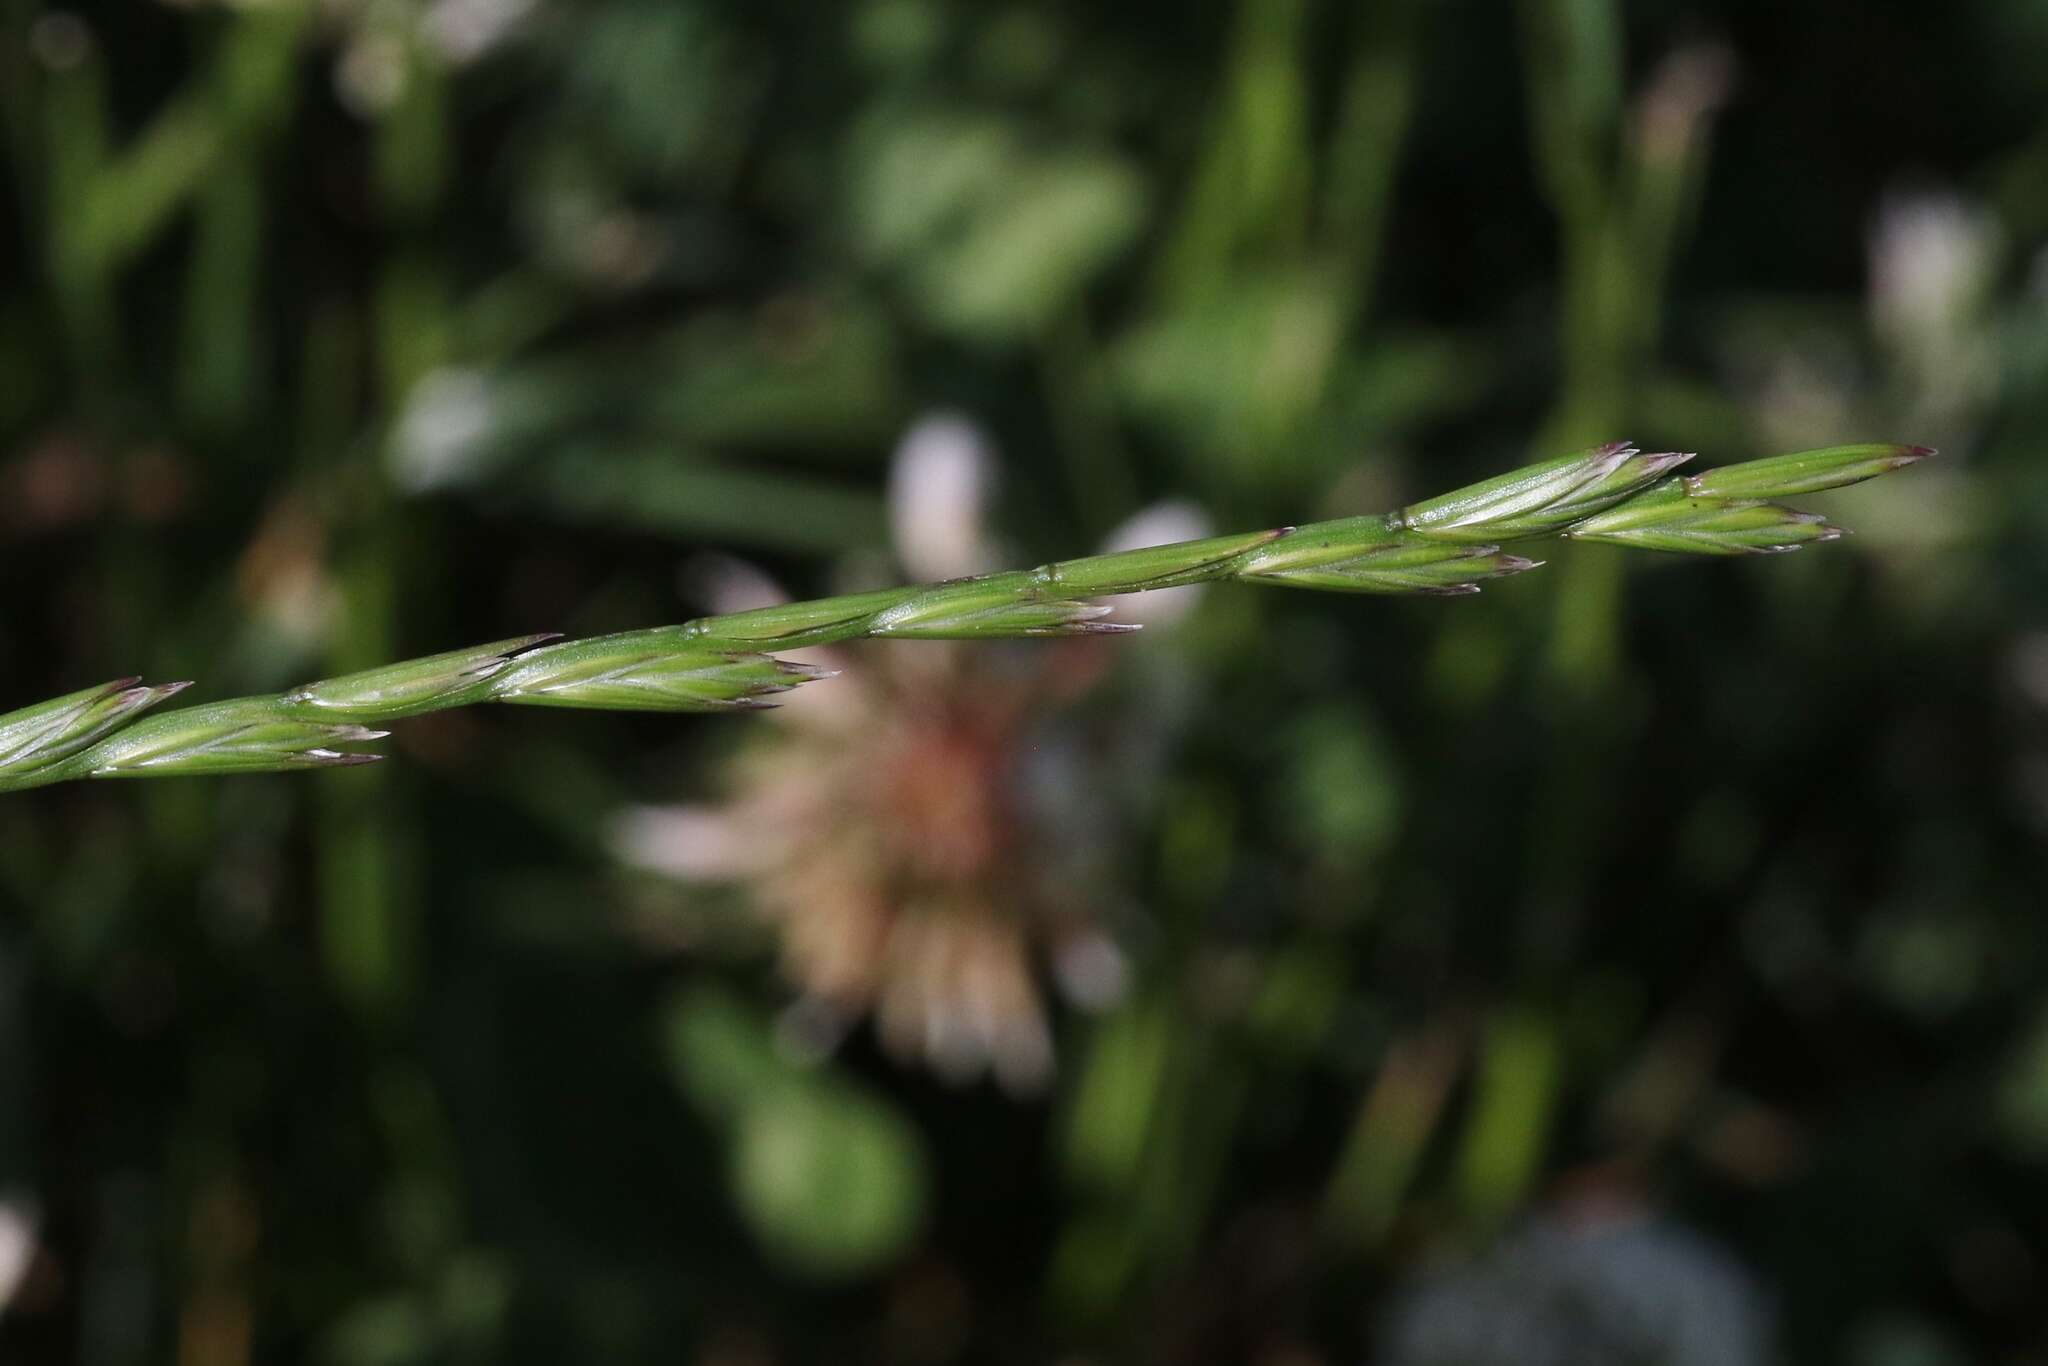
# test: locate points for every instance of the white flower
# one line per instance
(1931, 256)
(939, 486)
(1933, 261)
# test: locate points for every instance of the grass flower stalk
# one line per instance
(1446, 546)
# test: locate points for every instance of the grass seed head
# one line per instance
(1444, 546)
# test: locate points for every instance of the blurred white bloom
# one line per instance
(371, 73)
(1159, 524)
(939, 486)
(1933, 261)
(17, 1243)
(689, 842)
(1930, 257)
(1091, 970)
(463, 30)
(440, 436)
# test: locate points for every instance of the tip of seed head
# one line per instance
(150, 693)
(1909, 454)
(337, 760)
(356, 734)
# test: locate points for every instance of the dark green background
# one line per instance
(1710, 893)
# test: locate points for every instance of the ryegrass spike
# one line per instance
(1443, 546)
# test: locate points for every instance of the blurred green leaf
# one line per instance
(1032, 247)
(1507, 1131)
(829, 1177)
(2023, 1094)
(1233, 376)
(1343, 787)
(994, 240)
(1116, 1102)
(831, 1180)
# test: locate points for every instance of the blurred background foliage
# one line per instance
(1640, 963)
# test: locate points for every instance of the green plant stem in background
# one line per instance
(1445, 546)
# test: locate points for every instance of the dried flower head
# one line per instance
(894, 834)
(902, 834)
